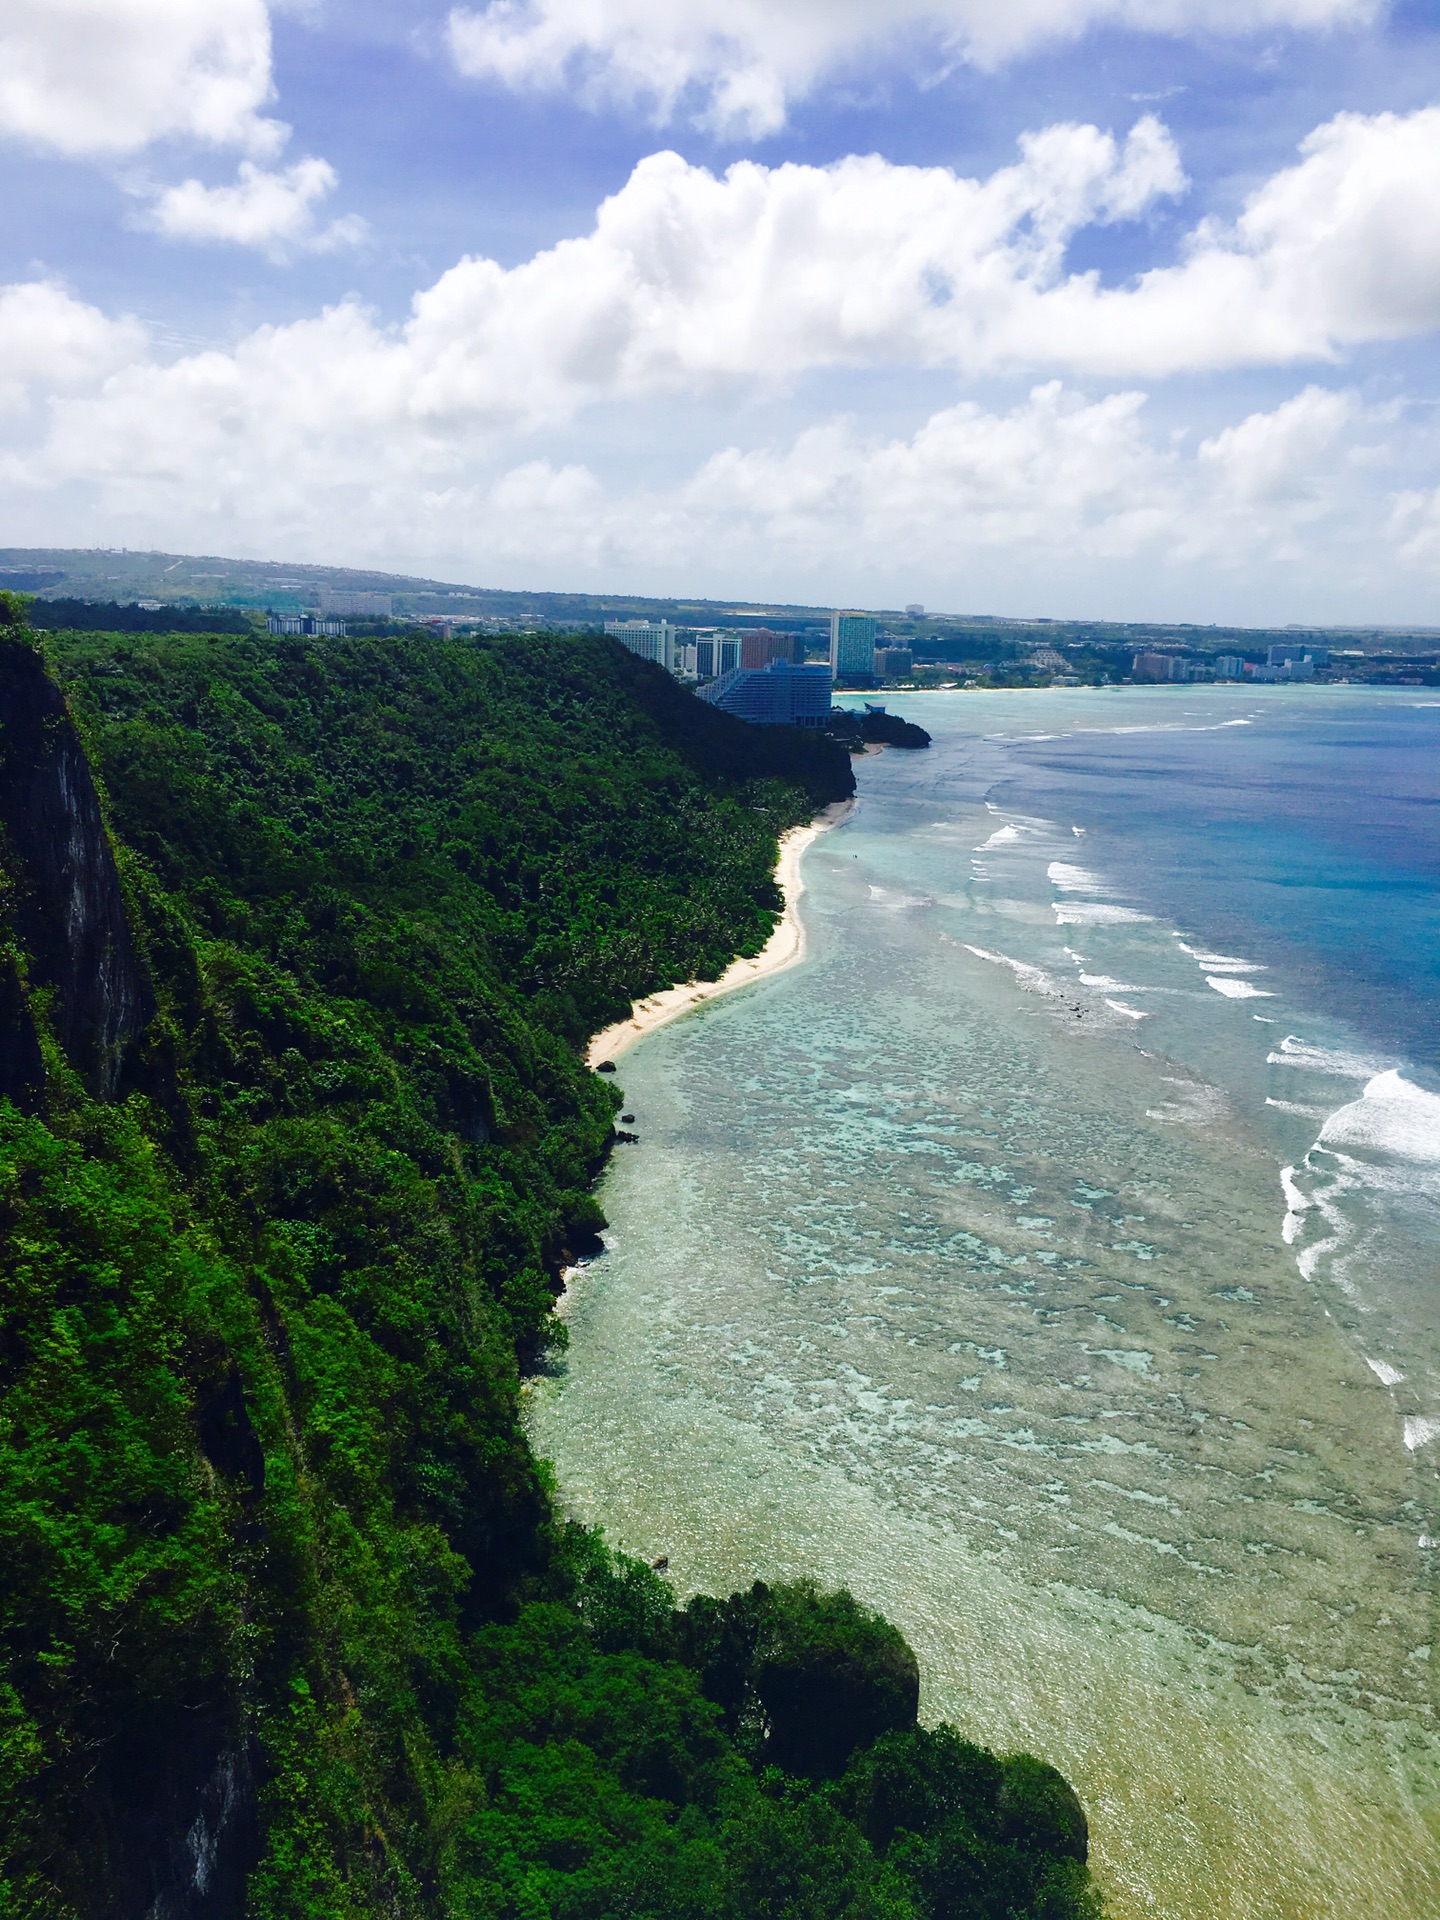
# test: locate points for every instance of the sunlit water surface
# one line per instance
(1052, 1258)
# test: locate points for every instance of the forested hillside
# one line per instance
(300, 943)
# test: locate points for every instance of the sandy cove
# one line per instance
(785, 946)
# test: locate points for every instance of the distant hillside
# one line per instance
(209, 580)
(101, 574)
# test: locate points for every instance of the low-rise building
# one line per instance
(780, 695)
(358, 605)
(1288, 651)
(307, 623)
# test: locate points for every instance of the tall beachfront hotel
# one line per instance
(651, 639)
(852, 645)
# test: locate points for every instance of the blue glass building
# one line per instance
(780, 695)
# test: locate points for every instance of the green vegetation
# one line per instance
(63, 615)
(288, 1169)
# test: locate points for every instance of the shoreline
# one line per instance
(784, 948)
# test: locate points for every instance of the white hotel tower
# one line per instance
(651, 639)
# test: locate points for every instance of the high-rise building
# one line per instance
(852, 645)
(760, 645)
(894, 663)
(1156, 666)
(780, 695)
(915, 610)
(651, 639)
(716, 652)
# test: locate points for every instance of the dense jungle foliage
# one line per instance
(291, 1625)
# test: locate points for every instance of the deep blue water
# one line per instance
(1311, 834)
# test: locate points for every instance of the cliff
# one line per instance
(63, 898)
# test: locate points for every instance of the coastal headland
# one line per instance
(302, 941)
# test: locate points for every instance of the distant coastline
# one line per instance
(784, 948)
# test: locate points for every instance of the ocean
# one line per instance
(1054, 1258)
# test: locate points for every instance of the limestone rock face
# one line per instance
(66, 908)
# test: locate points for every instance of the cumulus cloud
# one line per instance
(716, 288)
(52, 344)
(1343, 248)
(690, 282)
(693, 283)
(274, 447)
(272, 210)
(1270, 457)
(742, 61)
(1057, 487)
(109, 77)
(1413, 527)
(1059, 474)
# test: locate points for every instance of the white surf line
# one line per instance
(1392, 1118)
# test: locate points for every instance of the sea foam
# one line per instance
(1294, 1052)
(1074, 879)
(1234, 989)
(1392, 1117)
(1096, 913)
(1222, 962)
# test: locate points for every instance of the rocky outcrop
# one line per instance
(66, 908)
(873, 725)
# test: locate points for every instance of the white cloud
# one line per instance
(1055, 469)
(275, 448)
(108, 77)
(446, 436)
(1413, 528)
(1342, 248)
(692, 283)
(274, 211)
(1057, 480)
(53, 344)
(104, 79)
(1272, 457)
(743, 60)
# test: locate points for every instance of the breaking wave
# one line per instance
(1362, 1214)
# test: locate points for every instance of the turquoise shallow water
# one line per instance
(1052, 1258)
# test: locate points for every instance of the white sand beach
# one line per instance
(785, 946)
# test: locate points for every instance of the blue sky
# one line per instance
(1122, 308)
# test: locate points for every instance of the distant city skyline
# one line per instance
(1099, 309)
